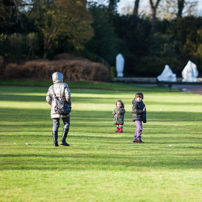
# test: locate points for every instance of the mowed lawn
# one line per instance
(101, 165)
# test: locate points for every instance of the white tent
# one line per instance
(167, 75)
(190, 73)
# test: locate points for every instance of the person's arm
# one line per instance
(144, 108)
(136, 110)
(67, 94)
(122, 111)
(49, 97)
(114, 112)
(144, 115)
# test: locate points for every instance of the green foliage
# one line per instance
(78, 28)
(162, 45)
(50, 23)
(103, 43)
(12, 45)
(112, 73)
(182, 28)
(38, 28)
(5, 14)
(133, 37)
(18, 45)
(193, 47)
(93, 57)
(112, 7)
(187, 32)
(153, 66)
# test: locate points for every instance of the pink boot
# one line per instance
(120, 129)
(117, 130)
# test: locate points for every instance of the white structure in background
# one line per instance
(190, 73)
(167, 75)
(119, 65)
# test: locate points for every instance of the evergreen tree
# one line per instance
(103, 43)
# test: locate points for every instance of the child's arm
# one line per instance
(144, 109)
(114, 112)
(136, 110)
(122, 111)
(144, 116)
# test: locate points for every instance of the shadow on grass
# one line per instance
(16, 94)
(95, 147)
(89, 161)
(42, 98)
(92, 117)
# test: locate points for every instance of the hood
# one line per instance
(135, 100)
(57, 77)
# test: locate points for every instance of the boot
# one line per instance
(117, 130)
(64, 136)
(139, 141)
(120, 129)
(55, 139)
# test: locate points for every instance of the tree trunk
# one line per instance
(180, 4)
(153, 10)
(112, 5)
(136, 7)
(45, 54)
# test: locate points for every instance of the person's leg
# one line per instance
(66, 122)
(135, 134)
(117, 128)
(56, 125)
(120, 128)
(139, 131)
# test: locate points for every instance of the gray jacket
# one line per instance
(62, 92)
(119, 115)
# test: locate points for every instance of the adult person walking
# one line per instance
(59, 93)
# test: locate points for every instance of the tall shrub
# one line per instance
(103, 43)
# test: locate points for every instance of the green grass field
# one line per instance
(100, 165)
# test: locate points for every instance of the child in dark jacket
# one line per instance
(119, 112)
(138, 115)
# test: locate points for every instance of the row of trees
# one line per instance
(174, 7)
(44, 28)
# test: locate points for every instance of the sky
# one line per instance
(143, 3)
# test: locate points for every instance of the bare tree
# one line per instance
(170, 9)
(167, 9)
(190, 8)
(153, 10)
(180, 4)
(136, 7)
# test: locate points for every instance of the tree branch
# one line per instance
(136, 7)
(151, 4)
(157, 3)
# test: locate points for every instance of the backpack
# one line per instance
(61, 107)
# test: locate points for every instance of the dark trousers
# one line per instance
(56, 124)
